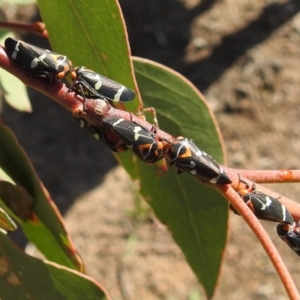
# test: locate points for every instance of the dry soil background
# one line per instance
(244, 56)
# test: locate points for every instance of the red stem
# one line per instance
(264, 239)
(97, 110)
(37, 28)
(254, 176)
(269, 176)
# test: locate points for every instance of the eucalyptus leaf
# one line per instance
(92, 34)
(25, 277)
(195, 214)
(46, 229)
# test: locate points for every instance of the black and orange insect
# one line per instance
(188, 157)
(40, 62)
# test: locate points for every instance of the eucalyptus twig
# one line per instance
(37, 28)
(270, 176)
(250, 176)
(263, 237)
(96, 110)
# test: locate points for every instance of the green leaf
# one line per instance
(15, 91)
(45, 229)
(21, 2)
(6, 222)
(195, 214)
(16, 199)
(92, 34)
(25, 277)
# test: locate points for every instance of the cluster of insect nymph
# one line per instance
(120, 134)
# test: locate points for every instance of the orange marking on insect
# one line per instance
(250, 205)
(243, 192)
(187, 153)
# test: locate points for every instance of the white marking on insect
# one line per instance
(42, 57)
(136, 131)
(267, 204)
(36, 61)
(269, 201)
(82, 124)
(62, 62)
(16, 50)
(192, 165)
(98, 84)
(199, 153)
(118, 122)
(283, 208)
(119, 93)
(179, 150)
(215, 180)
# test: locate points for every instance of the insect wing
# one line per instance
(109, 139)
(136, 138)
(189, 157)
(113, 90)
(282, 230)
(40, 61)
(293, 240)
(267, 208)
(290, 235)
(89, 128)
(101, 86)
(205, 164)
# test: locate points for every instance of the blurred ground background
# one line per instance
(244, 56)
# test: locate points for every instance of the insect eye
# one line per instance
(60, 58)
(182, 150)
